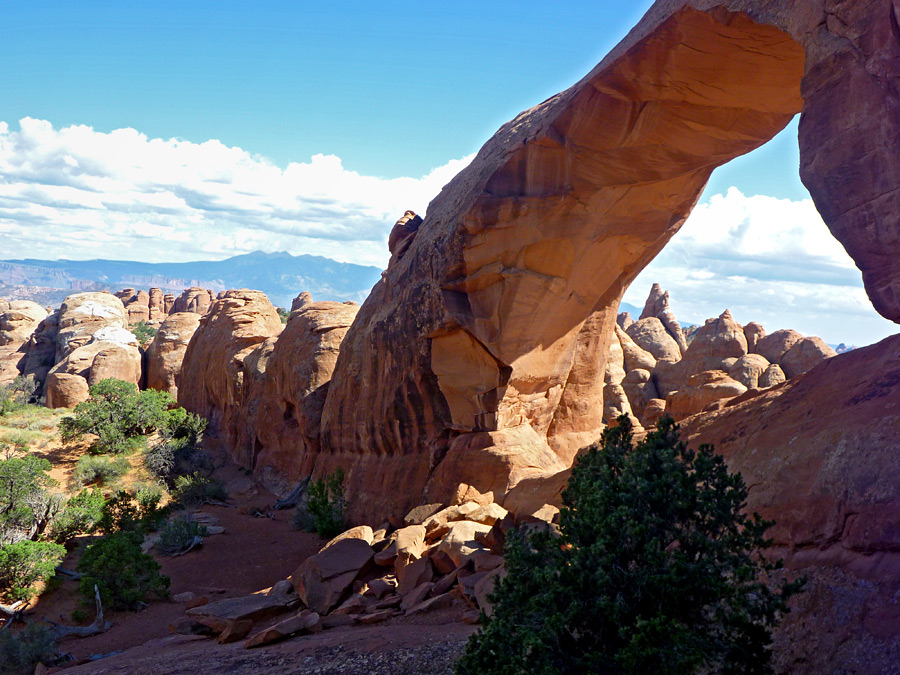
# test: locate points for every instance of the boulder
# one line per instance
(640, 389)
(804, 354)
(166, 351)
(19, 321)
(748, 369)
(322, 580)
(702, 389)
(773, 347)
(753, 332)
(195, 299)
(82, 315)
(402, 235)
(256, 607)
(459, 542)
(363, 532)
(302, 300)
(212, 373)
(64, 390)
(773, 375)
(651, 335)
(305, 621)
(408, 540)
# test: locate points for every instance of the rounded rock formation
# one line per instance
(166, 351)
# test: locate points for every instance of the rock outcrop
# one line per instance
(83, 314)
(212, 371)
(194, 299)
(166, 351)
(18, 321)
(284, 435)
(820, 455)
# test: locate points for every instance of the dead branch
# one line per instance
(196, 541)
(99, 625)
(68, 573)
(293, 496)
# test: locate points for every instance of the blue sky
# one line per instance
(188, 130)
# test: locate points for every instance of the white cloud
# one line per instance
(768, 260)
(79, 193)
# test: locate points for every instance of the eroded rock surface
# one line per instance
(166, 351)
(212, 371)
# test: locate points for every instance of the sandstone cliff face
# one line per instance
(475, 330)
(166, 351)
(283, 436)
(83, 314)
(820, 455)
(212, 372)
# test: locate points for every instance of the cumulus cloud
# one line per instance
(78, 193)
(768, 260)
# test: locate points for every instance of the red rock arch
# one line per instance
(479, 357)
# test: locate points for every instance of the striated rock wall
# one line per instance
(212, 372)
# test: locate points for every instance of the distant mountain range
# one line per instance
(281, 276)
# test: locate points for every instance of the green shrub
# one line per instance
(99, 469)
(326, 504)
(124, 575)
(80, 515)
(657, 570)
(143, 332)
(178, 535)
(21, 651)
(123, 512)
(195, 490)
(116, 413)
(25, 563)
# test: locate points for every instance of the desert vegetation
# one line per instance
(655, 567)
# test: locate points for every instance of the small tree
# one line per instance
(657, 570)
(326, 504)
(26, 506)
(25, 563)
(123, 574)
(117, 414)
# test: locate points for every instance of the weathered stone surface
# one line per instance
(256, 607)
(409, 540)
(402, 235)
(65, 390)
(633, 356)
(18, 321)
(363, 532)
(654, 411)
(487, 514)
(421, 513)
(303, 622)
(194, 299)
(166, 351)
(714, 343)
(748, 369)
(773, 375)
(657, 305)
(413, 575)
(753, 332)
(283, 435)
(323, 579)
(82, 315)
(212, 372)
(820, 453)
(804, 354)
(650, 335)
(774, 346)
(302, 300)
(40, 351)
(459, 542)
(702, 390)
(640, 390)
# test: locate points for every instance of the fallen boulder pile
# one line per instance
(439, 557)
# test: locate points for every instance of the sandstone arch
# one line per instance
(479, 357)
